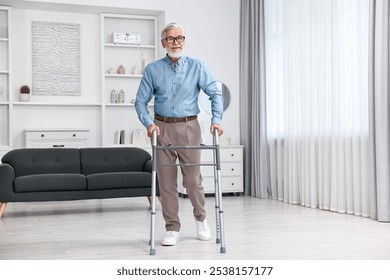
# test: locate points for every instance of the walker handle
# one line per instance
(215, 137)
(154, 137)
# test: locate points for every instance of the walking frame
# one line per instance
(220, 236)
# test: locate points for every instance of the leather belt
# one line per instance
(175, 120)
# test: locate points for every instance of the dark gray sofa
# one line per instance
(57, 174)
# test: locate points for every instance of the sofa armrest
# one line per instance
(148, 167)
(7, 177)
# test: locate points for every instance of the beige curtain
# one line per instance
(253, 132)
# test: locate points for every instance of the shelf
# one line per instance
(120, 104)
(146, 146)
(56, 104)
(122, 76)
(125, 105)
(4, 72)
(133, 58)
(4, 39)
(129, 46)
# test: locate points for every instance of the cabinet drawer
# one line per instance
(57, 144)
(227, 169)
(231, 155)
(56, 138)
(231, 184)
(225, 154)
(228, 184)
(53, 135)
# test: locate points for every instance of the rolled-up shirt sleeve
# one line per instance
(144, 95)
(210, 87)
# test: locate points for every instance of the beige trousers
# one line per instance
(179, 134)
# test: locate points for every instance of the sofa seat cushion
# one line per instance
(50, 182)
(118, 180)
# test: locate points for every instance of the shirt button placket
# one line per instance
(173, 92)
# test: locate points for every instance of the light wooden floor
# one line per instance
(118, 229)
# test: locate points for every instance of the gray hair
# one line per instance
(170, 26)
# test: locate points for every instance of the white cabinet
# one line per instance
(56, 138)
(232, 178)
(5, 81)
(231, 170)
(122, 67)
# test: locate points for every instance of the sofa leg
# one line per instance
(2, 208)
(150, 199)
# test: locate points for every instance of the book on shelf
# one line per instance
(119, 137)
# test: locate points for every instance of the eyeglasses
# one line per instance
(171, 40)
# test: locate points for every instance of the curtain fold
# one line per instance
(253, 133)
(379, 106)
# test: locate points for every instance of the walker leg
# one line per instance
(217, 222)
(218, 193)
(153, 199)
(218, 196)
(153, 215)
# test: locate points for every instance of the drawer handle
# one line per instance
(42, 135)
(74, 135)
(58, 146)
(232, 155)
(232, 184)
(232, 169)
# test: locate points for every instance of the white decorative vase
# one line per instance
(24, 97)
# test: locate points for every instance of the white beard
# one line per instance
(175, 54)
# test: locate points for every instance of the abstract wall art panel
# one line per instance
(55, 58)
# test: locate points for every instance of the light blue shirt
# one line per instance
(176, 90)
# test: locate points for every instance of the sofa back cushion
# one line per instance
(121, 159)
(43, 161)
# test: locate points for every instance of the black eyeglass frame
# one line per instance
(180, 37)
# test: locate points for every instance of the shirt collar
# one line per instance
(181, 60)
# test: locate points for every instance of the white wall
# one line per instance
(212, 32)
